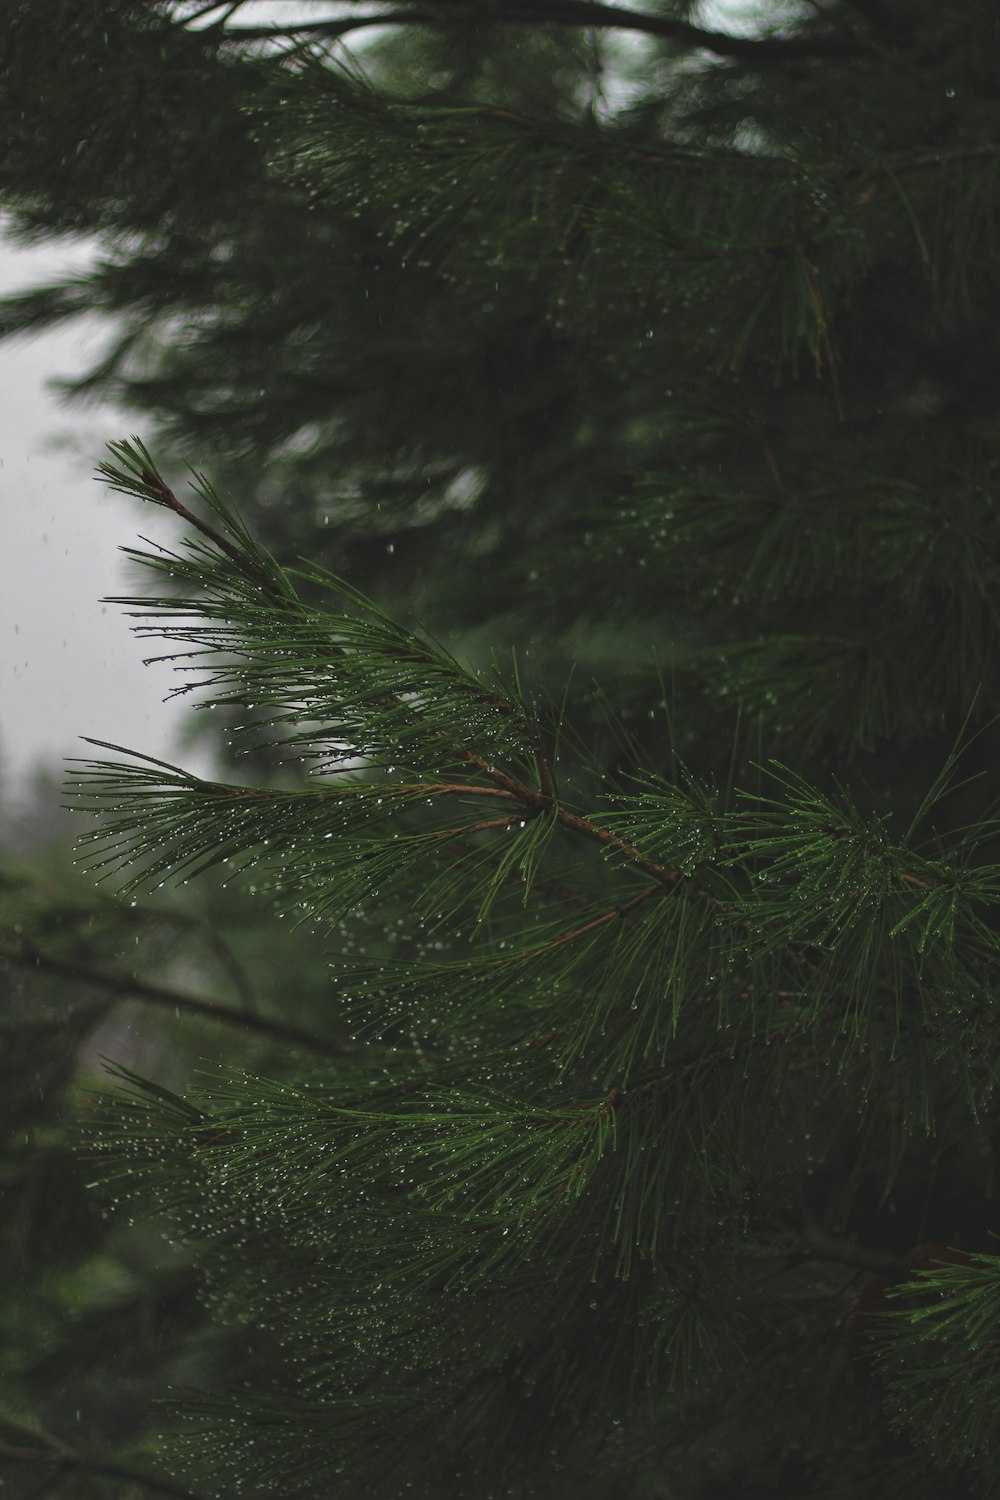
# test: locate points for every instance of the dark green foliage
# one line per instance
(569, 1092)
(635, 722)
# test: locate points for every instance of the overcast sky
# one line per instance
(69, 665)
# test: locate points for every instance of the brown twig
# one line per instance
(614, 915)
(464, 828)
(444, 788)
(537, 802)
(583, 826)
(822, 339)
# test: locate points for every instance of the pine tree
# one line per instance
(650, 1142)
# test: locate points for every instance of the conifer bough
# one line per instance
(638, 1134)
(543, 1195)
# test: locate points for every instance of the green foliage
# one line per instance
(938, 1350)
(620, 1113)
(783, 916)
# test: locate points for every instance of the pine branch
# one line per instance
(139, 477)
(478, 1159)
(836, 888)
(121, 982)
(937, 1349)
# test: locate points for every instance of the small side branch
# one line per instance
(538, 802)
(33, 1446)
(660, 873)
(837, 1252)
(582, 13)
(217, 946)
(616, 914)
(131, 986)
(941, 158)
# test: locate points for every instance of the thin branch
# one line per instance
(615, 915)
(463, 829)
(582, 13)
(541, 885)
(216, 944)
(231, 10)
(546, 778)
(937, 158)
(442, 788)
(123, 983)
(538, 802)
(332, 30)
(206, 10)
(162, 495)
(60, 1455)
(869, 42)
(510, 784)
(838, 1252)
(877, 14)
(661, 873)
